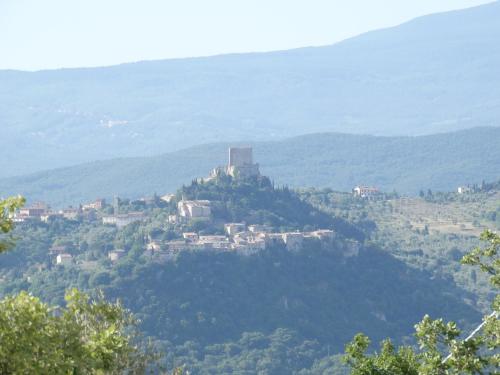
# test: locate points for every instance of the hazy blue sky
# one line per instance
(41, 34)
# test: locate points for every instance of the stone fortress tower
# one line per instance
(241, 163)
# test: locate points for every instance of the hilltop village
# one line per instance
(184, 214)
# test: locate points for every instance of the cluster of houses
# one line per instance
(238, 237)
(42, 212)
(63, 257)
(478, 188)
(242, 239)
(371, 192)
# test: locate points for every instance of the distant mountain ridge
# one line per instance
(338, 161)
(437, 73)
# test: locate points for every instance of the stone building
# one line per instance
(71, 213)
(233, 228)
(64, 259)
(365, 191)
(98, 204)
(199, 209)
(241, 163)
(293, 240)
(36, 210)
(323, 234)
(190, 236)
(167, 198)
(260, 228)
(463, 189)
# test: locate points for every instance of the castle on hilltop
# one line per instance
(240, 164)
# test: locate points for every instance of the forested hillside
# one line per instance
(275, 311)
(431, 232)
(200, 301)
(339, 161)
(437, 73)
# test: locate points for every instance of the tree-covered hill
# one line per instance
(437, 73)
(219, 312)
(432, 231)
(202, 300)
(339, 161)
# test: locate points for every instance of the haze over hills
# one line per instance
(437, 73)
(339, 161)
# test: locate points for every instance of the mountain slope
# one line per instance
(436, 73)
(339, 161)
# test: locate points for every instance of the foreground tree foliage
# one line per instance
(7, 208)
(87, 336)
(442, 347)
